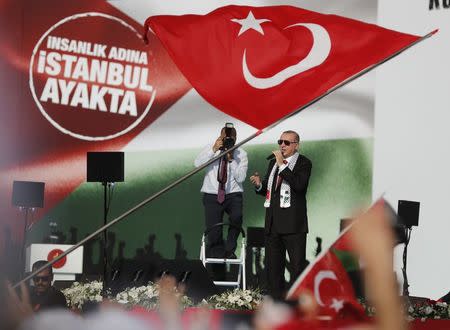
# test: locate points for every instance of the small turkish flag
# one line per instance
(328, 278)
(259, 64)
(331, 286)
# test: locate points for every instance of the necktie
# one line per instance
(222, 178)
(275, 181)
(279, 178)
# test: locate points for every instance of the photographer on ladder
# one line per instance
(222, 192)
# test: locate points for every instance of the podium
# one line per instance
(64, 269)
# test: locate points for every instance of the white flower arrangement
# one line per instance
(79, 293)
(146, 296)
(428, 309)
(235, 299)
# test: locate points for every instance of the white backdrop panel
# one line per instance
(412, 139)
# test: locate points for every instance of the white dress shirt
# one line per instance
(236, 171)
(286, 163)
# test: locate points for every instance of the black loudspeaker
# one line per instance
(105, 166)
(198, 283)
(28, 194)
(408, 213)
(255, 236)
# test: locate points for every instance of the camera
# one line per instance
(230, 136)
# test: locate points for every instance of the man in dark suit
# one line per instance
(286, 223)
(43, 295)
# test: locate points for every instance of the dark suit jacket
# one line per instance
(53, 298)
(293, 219)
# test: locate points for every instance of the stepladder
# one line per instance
(240, 280)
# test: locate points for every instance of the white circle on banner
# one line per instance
(54, 122)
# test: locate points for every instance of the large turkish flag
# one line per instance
(259, 64)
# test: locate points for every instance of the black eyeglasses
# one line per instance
(41, 278)
(286, 142)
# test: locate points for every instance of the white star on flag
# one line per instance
(250, 22)
(336, 304)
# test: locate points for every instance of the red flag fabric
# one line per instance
(327, 277)
(259, 64)
(333, 291)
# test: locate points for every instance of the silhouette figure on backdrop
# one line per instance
(73, 235)
(140, 254)
(11, 259)
(121, 249)
(180, 252)
(111, 244)
(150, 248)
(319, 246)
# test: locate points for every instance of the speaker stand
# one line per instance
(106, 187)
(26, 210)
(405, 256)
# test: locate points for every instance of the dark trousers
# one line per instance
(276, 246)
(214, 213)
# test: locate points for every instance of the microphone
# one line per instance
(137, 275)
(115, 275)
(184, 276)
(271, 156)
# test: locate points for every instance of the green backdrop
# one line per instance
(341, 181)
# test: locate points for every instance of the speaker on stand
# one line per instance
(408, 216)
(106, 168)
(27, 195)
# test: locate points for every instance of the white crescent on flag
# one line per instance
(316, 56)
(323, 274)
